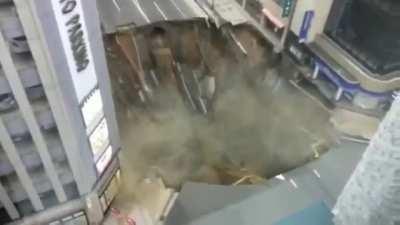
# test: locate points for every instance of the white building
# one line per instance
(58, 131)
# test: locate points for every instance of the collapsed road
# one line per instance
(195, 100)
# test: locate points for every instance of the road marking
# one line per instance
(137, 4)
(237, 42)
(160, 11)
(179, 9)
(317, 173)
(293, 183)
(116, 5)
(280, 177)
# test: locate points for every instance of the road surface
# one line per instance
(116, 13)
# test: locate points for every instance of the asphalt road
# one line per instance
(116, 13)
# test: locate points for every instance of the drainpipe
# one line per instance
(371, 196)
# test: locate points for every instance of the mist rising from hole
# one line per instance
(251, 127)
(258, 123)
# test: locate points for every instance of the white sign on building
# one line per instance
(75, 41)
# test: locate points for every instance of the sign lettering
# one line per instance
(73, 31)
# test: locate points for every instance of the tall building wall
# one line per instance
(58, 131)
(371, 196)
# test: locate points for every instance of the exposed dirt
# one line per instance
(255, 120)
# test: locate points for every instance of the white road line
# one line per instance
(237, 42)
(196, 9)
(116, 5)
(179, 9)
(293, 183)
(137, 4)
(317, 173)
(160, 11)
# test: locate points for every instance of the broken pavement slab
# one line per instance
(303, 194)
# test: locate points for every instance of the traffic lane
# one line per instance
(109, 15)
(169, 9)
(130, 13)
(173, 9)
(187, 6)
(119, 12)
(159, 10)
(182, 11)
(150, 9)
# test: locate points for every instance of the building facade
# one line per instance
(58, 131)
(371, 196)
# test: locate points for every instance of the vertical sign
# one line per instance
(74, 36)
(75, 42)
(73, 31)
(306, 25)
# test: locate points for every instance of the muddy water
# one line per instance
(266, 128)
(259, 131)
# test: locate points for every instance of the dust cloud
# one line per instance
(250, 127)
(258, 123)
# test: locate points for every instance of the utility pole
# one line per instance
(372, 194)
(287, 28)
